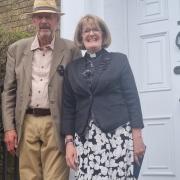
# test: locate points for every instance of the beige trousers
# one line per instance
(39, 157)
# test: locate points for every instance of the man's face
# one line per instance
(46, 24)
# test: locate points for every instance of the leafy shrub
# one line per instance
(7, 38)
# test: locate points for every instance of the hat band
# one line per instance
(44, 8)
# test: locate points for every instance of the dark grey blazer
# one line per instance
(114, 101)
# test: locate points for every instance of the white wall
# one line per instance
(74, 10)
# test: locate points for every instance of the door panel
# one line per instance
(151, 30)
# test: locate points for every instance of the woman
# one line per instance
(102, 118)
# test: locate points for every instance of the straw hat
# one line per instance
(47, 6)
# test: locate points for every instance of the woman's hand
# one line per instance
(139, 147)
(71, 156)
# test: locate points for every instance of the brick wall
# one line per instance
(12, 14)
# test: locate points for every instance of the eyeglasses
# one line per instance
(45, 15)
(94, 30)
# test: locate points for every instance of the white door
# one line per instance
(152, 29)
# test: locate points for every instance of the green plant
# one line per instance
(7, 38)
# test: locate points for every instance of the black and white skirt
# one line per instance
(105, 156)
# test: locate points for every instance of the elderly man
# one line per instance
(31, 96)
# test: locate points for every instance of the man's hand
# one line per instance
(10, 138)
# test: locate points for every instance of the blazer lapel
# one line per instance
(58, 54)
(102, 69)
(82, 75)
(27, 64)
(103, 65)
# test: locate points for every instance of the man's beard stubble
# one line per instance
(45, 33)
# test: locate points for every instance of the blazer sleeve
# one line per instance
(69, 107)
(130, 95)
(9, 93)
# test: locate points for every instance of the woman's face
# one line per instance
(92, 37)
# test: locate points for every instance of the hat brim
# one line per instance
(46, 11)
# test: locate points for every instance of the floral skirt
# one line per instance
(105, 156)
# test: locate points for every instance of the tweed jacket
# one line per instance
(114, 100)
(18, 83)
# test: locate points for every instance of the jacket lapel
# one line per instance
(103, 66)
(27, 64)
(80, 71)
(58, 54)
(102, 70)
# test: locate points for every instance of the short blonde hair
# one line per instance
(96, 21)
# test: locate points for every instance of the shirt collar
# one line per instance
(35, 44)
(94, 55)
